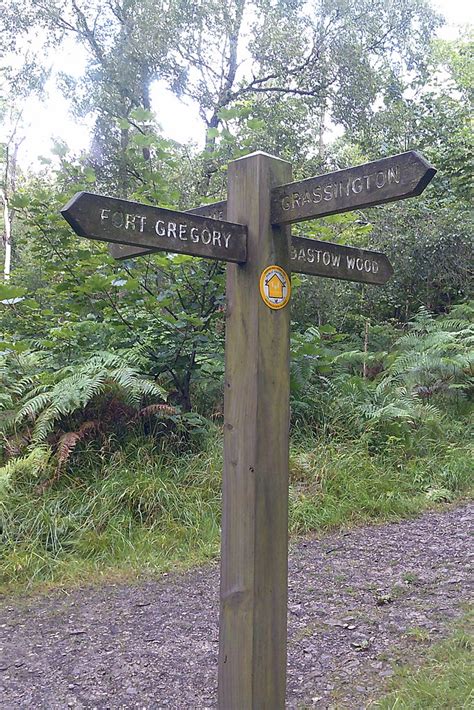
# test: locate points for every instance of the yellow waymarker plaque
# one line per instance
(275, 287)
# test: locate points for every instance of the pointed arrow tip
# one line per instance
(69, 212)
(70, 204)
(429, 173)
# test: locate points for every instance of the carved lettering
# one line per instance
(295, 200)
(338, 261)
(357, 185)
(317, 195)
(311, 256)
(366, 265)
(380, 179)
(394, 174)
(206, 236)
(120, 220)
(328, 195)
(346, 188)
(117, 219)
(130, 221)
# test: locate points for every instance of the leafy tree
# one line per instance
(222, 55)
(70, 298)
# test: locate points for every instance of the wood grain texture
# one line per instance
(215, 210)
(110, 219)
(253, 612)
(395, 178)
(337, 261)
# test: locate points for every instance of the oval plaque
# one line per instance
(275, 287)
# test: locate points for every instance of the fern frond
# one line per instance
(6, 401)
(456, 324)
(152, 410)
(68, 441)
(23, 385)
(44, 424)
(35, 462)
(33, 407)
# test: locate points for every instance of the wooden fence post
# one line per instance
(254, 563)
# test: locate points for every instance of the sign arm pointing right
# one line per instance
(387, 180)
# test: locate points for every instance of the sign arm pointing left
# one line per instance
(119, 221)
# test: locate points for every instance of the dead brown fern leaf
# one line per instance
(152, 410)
(66, 445)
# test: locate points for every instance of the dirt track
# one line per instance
(358, 602)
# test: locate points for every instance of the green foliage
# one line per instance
(140, 508)
(62, 408)
(345, 483)
(423, 375)
(435, 359)
(55, 397)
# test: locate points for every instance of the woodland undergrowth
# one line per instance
(143, 510)
(102, 478)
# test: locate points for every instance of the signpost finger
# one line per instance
(395, 178)
(113, 220)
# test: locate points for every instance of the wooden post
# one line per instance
(254, 563)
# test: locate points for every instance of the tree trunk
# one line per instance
(7, 237)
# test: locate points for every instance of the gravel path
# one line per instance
(358, 601)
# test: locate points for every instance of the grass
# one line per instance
(337, 483)
(444, 681)
(144, 510)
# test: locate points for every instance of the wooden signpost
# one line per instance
(250, 234)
